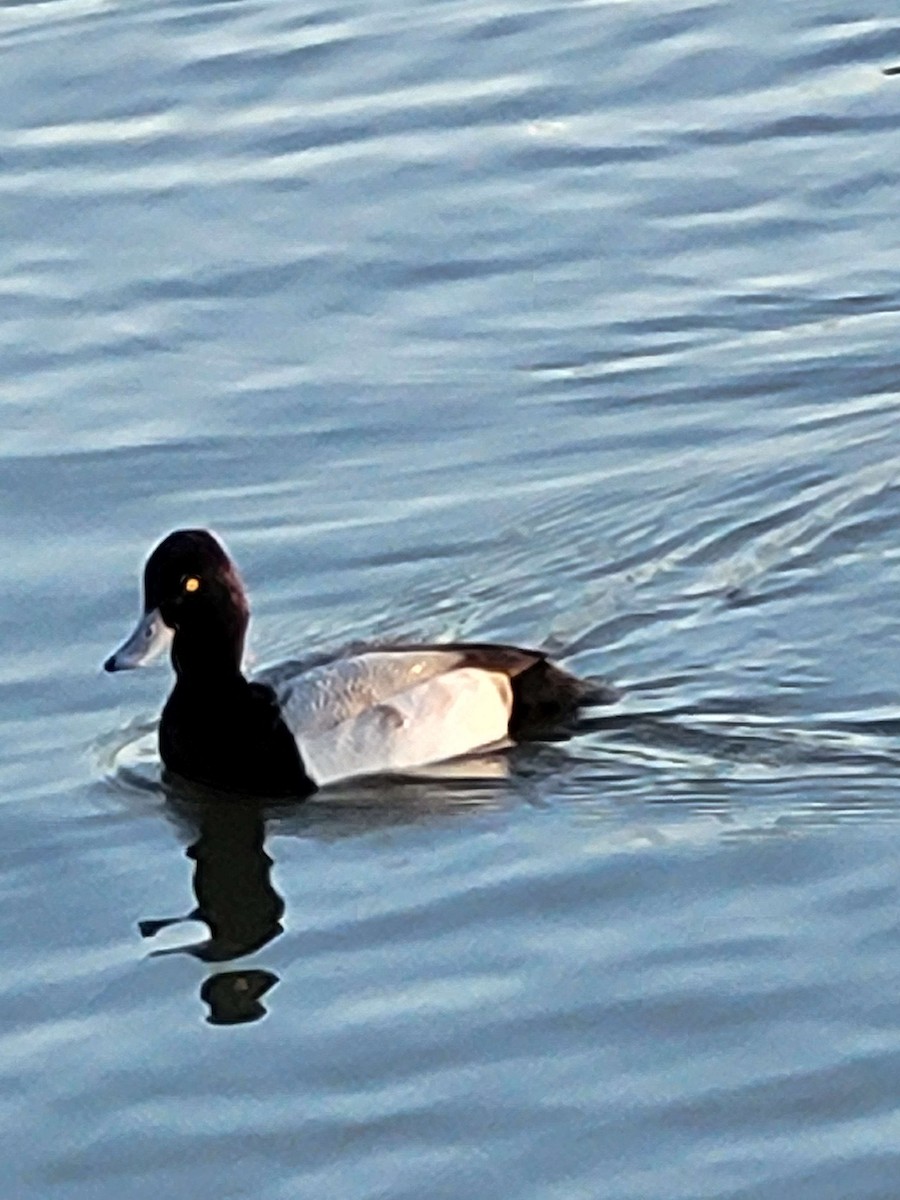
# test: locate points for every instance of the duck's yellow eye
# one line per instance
(191, 584)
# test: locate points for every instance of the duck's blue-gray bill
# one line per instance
(151, 637)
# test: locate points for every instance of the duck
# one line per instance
(294, 728)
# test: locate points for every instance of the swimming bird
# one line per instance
(290, 730)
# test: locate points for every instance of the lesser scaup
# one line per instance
(289, 731)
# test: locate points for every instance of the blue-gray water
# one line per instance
(572, 324)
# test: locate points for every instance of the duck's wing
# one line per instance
(314, 700)
(445, 716)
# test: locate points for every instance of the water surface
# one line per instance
(572, 325)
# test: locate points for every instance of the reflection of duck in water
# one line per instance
(292, 730)
(234, 996)
(232, 883)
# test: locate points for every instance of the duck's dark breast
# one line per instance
(231, 738)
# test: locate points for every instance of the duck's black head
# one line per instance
(194, 601)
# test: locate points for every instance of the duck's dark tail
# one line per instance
(545, 697)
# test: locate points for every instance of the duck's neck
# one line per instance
(208, 657)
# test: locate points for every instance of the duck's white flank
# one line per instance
(392, 711)
(317, 699)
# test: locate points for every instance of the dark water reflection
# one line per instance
(235, 997)
(237, 902)
(231, 881)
